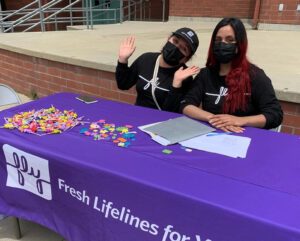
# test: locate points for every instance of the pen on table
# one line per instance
(217, 134)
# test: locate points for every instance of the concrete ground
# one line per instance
(30, 231)
(276, 52)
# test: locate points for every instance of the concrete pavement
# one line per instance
(276, 52)
(30, 231)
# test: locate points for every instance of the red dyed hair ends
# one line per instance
(238, 79)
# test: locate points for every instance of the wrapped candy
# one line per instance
(44, 121)
(101, 130)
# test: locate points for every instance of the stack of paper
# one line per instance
(229, 145)
(175, 130)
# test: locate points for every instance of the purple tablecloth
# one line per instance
(96, 191)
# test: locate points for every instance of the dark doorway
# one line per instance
(159, 10)
(3, 5)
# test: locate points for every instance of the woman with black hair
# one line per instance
(161, 79)
(232, 92)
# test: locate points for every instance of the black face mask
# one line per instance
(171, 54)
(224, 53)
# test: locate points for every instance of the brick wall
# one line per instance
(214, 9)
(24, 73)
(291, 118)
(269, 12)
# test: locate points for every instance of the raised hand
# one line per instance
(181, 74)
(126, 49)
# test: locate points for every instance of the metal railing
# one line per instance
(82, 12)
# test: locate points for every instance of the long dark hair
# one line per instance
(238, 79)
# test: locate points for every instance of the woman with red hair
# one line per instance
(232, 92)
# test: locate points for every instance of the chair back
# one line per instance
(276, 129)
(8, 96)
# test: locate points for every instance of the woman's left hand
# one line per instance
(181, 74)
(223, 120)
(235, 129)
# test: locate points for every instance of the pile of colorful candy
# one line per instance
(44, 121)
(104, 131)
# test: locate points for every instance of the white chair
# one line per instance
(8, 97)
(276, 129)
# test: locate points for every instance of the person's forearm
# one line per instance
(123, 77)
(254, 121)
(172, 101)
(196, 113)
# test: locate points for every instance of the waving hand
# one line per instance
(127, 48)
(181, 74)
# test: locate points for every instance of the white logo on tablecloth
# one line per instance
(28, 172)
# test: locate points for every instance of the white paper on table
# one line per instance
(229, 145)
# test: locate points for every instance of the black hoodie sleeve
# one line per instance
(263, 95)
(175, 96)
(126, 77)
(195, 92)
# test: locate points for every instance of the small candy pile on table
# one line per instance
(44, 121)
(100, 130)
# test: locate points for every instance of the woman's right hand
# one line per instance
(126, 49)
